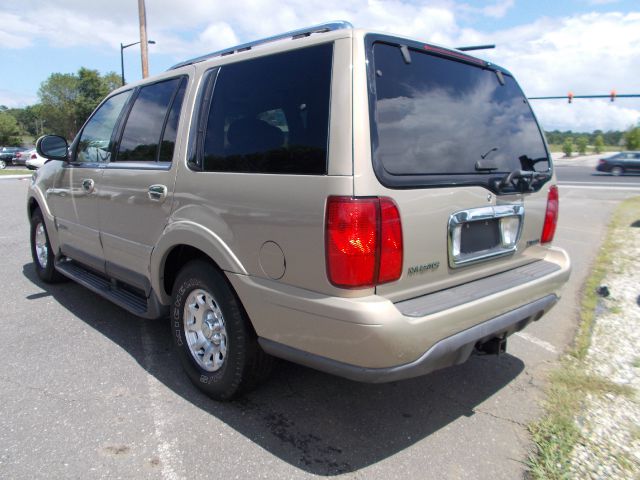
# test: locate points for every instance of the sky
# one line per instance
(551, 46)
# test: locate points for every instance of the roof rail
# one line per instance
(294, 34)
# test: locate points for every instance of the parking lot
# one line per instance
(88, 390)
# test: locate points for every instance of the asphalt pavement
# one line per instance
(88, 390)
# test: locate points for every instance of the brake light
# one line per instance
(551, 215)
(390, 242)
(33, 156)
(363, 241)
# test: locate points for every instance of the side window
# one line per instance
(271, 114)
(95, 141)
(146, 122)
(168, 143)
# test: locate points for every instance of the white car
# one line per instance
(34, 161)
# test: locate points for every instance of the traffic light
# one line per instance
(613, 95)
(570, 97)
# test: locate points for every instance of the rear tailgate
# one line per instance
(455, 144)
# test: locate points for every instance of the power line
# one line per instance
(570, 96)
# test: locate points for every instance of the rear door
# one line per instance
(137, 185)
(455, 144)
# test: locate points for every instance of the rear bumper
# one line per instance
(450, 351)
(372, 339)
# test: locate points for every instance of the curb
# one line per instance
(13, 177)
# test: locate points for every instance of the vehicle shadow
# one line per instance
(322, 424)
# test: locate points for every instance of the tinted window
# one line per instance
(142, 132)
(438, 116)
(168, 143)
(271, 114)
(95, 141)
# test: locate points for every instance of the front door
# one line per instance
(74, 198)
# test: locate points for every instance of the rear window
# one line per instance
(271, 114)
(442, 121)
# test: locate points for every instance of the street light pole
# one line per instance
(122, 47)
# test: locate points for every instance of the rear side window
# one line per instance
(271, 114)
(441, 121)
(150, 131)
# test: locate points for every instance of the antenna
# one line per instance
(475, 47)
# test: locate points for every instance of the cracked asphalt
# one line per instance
(90, 391)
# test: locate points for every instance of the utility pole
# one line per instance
(143, 38)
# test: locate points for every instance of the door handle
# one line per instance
(157, 192)
(88, 185)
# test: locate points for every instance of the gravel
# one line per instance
(610, 424)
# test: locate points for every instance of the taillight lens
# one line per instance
(551, 215)
(363, 241)
(33, 156)
(390, 242)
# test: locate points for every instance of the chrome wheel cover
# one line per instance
(40, 243)
(204, 330)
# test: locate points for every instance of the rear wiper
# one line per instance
(522, 180)
(482, 166)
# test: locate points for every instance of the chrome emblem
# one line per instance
(489, 197)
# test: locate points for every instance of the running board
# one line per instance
(137, 304)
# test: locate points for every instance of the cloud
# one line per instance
(584, 53)
(16, 100)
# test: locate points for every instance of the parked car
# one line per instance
(364, 204)
(33, 159)
(20, 157)
(7, 154)
(620, 163)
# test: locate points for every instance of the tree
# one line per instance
(632, 139)
(567, 147)
(598, 144)
(68, 99)
(582, 143)
(9, 130)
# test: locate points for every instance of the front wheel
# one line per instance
(3, 164)
(41, 251)
(212, 334)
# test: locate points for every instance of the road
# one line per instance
(90, 391)
(584, 176)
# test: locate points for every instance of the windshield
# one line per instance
(436, 116)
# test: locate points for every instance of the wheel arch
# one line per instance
(182, 242)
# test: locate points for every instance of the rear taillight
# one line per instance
(551, 215)
(363, 241)
(602, 161)
(33, 156)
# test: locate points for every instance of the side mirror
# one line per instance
(53, 147)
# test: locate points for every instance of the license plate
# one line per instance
(479, 236)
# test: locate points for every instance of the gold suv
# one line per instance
(363, 204)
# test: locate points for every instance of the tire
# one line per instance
(3, 164)
(617, 171)
(213, 337)
(41, 251)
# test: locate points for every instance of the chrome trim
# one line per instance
(477, 214)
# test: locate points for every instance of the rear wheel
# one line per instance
(212, 334)
(3, 164)
(41, 251)
(617, 171)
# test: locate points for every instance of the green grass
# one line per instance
(556, 433)
(11, 171)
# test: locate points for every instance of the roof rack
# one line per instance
(294, 34)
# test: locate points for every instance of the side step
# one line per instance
(137, 304)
